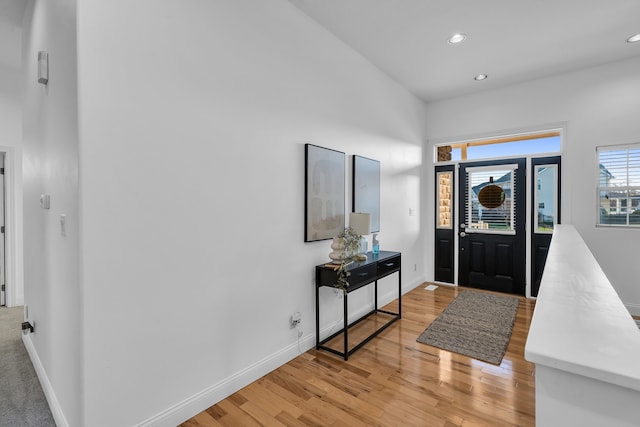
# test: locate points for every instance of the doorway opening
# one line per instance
(3, 259)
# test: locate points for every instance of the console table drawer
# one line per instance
(358, 276)
(388, 265)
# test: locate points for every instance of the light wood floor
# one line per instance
(391, 381)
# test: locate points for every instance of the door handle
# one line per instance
(463, 234)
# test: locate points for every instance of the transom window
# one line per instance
(508, 146)
(619, 186)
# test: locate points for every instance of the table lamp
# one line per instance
(361, 224)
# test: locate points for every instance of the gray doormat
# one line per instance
(475, 324)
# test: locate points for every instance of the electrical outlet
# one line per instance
(415, 267)
(296, 319)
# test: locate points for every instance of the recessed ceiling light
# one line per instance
(634, 38)
(480, 77)
(457, 38)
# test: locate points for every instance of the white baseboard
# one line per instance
(208, 397)
(453, 285)
(211, 395)
(634, 309)
(54, 405)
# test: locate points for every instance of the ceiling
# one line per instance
(511, 41)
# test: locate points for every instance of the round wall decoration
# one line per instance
(491, 196)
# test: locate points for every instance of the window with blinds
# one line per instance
(491, 199)
(619, 186)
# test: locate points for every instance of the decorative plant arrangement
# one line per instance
(351, 241)
(343, 278)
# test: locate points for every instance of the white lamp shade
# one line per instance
(360, 222)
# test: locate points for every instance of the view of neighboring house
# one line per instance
(491, 218)
(545, 198)
(617, 200)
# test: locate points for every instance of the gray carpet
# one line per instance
(475, 324)
(22, 402)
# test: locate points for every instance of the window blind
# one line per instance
(500, 219)
(618, 189)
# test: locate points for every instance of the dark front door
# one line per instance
(492, 241)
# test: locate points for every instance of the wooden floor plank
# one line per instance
(391, 381)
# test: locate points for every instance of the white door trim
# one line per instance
(14, 294)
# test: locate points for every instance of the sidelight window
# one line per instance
(545, 198)
(445, 200)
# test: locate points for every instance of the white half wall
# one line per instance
(192, 131)
(599, 106)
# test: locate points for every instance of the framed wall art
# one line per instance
(324, 193)
(366, 189)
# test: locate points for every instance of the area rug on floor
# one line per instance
(476, 324)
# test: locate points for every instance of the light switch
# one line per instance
(43, 67)
(45, 201)
(63, 224)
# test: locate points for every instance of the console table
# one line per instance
(362, 273)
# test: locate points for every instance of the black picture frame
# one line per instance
(324, 212)
(366, 189)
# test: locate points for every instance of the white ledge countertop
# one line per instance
(579, 324)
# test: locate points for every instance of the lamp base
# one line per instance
(364, 245)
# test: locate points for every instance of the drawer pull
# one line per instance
(389, 264)
(363, 274)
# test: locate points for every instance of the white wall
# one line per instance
(192, 131)
(11, 143)
(10, 116)
(52, 289)
(599, 106)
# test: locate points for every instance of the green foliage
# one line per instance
(351, 240)
(352, 244)
(343, 278)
